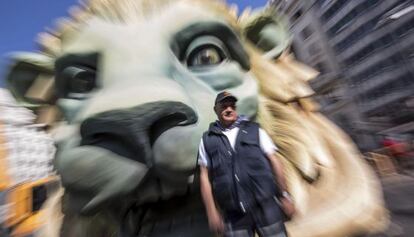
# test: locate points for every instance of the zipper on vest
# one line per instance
(237, 178)
(232, 152)
(242, 207)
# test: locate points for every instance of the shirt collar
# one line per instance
(236, 124)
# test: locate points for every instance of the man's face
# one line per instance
(226, 111)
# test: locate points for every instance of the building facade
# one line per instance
(364, 50)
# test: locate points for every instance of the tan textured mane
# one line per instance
(122, 11)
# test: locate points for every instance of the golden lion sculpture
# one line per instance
(135, 81)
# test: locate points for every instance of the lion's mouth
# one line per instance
(131, 133)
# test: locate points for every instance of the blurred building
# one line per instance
(365, 53)
(26, 150)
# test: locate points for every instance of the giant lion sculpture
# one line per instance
(135, 81)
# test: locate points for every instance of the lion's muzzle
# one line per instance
(131, 132)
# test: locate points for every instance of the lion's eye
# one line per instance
(205, 52)
(76, 75)
(205, 56)
(80, 80)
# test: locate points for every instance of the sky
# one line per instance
(21, 20)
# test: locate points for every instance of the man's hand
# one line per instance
(285, 201)
(215, 222)
(214, 218)
(288, 207)
(277, 169)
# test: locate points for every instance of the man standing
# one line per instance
(238, 169)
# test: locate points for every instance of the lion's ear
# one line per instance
(30, 78)
(267, 31)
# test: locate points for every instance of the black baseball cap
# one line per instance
(224, 95)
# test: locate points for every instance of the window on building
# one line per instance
(343, 122)
(386, 40)
(405, 29)
(314, 49)
(370, 3)
(291, 5)
(382, 66)
(334, 8)
(378, 44)
(364, 52)
(352, 15)
(411, 52)
(297, 15)
(293, 49)
(306, 32)
(369, 26)
(321, 67)
(394, 86)
(323, 3)
(375, 46)
(408, 80)
(280, 4)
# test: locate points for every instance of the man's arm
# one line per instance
(278, 170)
(270, 149)
(286, 201)
(214, 218)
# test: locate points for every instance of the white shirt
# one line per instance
(266, 144)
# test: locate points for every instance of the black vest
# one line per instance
(241, 177)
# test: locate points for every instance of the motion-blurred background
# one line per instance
(363, 49)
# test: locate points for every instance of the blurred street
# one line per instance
(399, 195)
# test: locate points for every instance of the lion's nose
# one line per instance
(131, 132)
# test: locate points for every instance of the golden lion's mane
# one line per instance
(121, 11)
